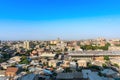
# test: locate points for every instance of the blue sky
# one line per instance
(67, 19)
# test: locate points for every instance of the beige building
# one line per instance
(52, 63)
(66, 64)
(26, 45)
(47, 54)
(2, 73)
(82, 63)
(115, 61)
(99, 58)
(16, 58)
(55, 41)
(114, 48)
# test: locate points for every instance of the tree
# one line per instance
(116, 65)
(73, 49)
(68, 70)
(104, 65)
(27, 53)
(1, 60)
(24, 60)
(91, 47)
(6, 55)
(66, 49)
(106, 58)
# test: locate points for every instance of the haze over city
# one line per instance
(67, 19)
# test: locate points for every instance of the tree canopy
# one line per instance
(106, 58)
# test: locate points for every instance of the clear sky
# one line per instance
(66, 19)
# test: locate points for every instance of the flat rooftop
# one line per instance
(94, 53)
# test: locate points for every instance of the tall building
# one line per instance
(0, 42)
(26, 45)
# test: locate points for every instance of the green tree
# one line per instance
(1, 60)
(104, 65)
(66, 49)
(73, 49)
(116, 65)
(27, 53)
(106, 58)
(68, 70)
(5, 55)
(24, 60)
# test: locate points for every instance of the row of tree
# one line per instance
(95, 47)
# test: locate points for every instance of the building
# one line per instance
(82, 63)
(28, 77)
(47, 54)
(52, 63)
(66, 64)
(90, 55)
(0, 42)
(115, 61)
(11, 71)
(99, 58)
(109, 73)
(26, 45)
(114, 48)
(73, 65)
(70, 76)
(55, 41)
(16, 58)
(2, 73)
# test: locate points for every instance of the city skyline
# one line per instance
(66, 19)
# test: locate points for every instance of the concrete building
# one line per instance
(2, 73)
(109, 73)
(16, 58)
(11, 72)
(28, 77)
(114, 48)
(26, 45)
(82, 63)
(70, 76)
(90, 55)
(52, 63)
(66, 64)
(47, 54)
(115, 61)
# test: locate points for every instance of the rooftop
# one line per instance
(94, 53)
(12, 69)
(69, 75)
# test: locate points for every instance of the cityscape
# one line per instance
(92, 59)
(59, 40)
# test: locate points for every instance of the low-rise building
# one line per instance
(16, 58)
(11, 71)
(5, 65)
(115, 61)
(114, 48)
(99, 58)
(47, 54)
(70, 76)
(28, 77)
(82, 63)
(2, 73)
(52, 63)
(66, 64)
(109, 73)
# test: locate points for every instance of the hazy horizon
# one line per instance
(66, 19)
